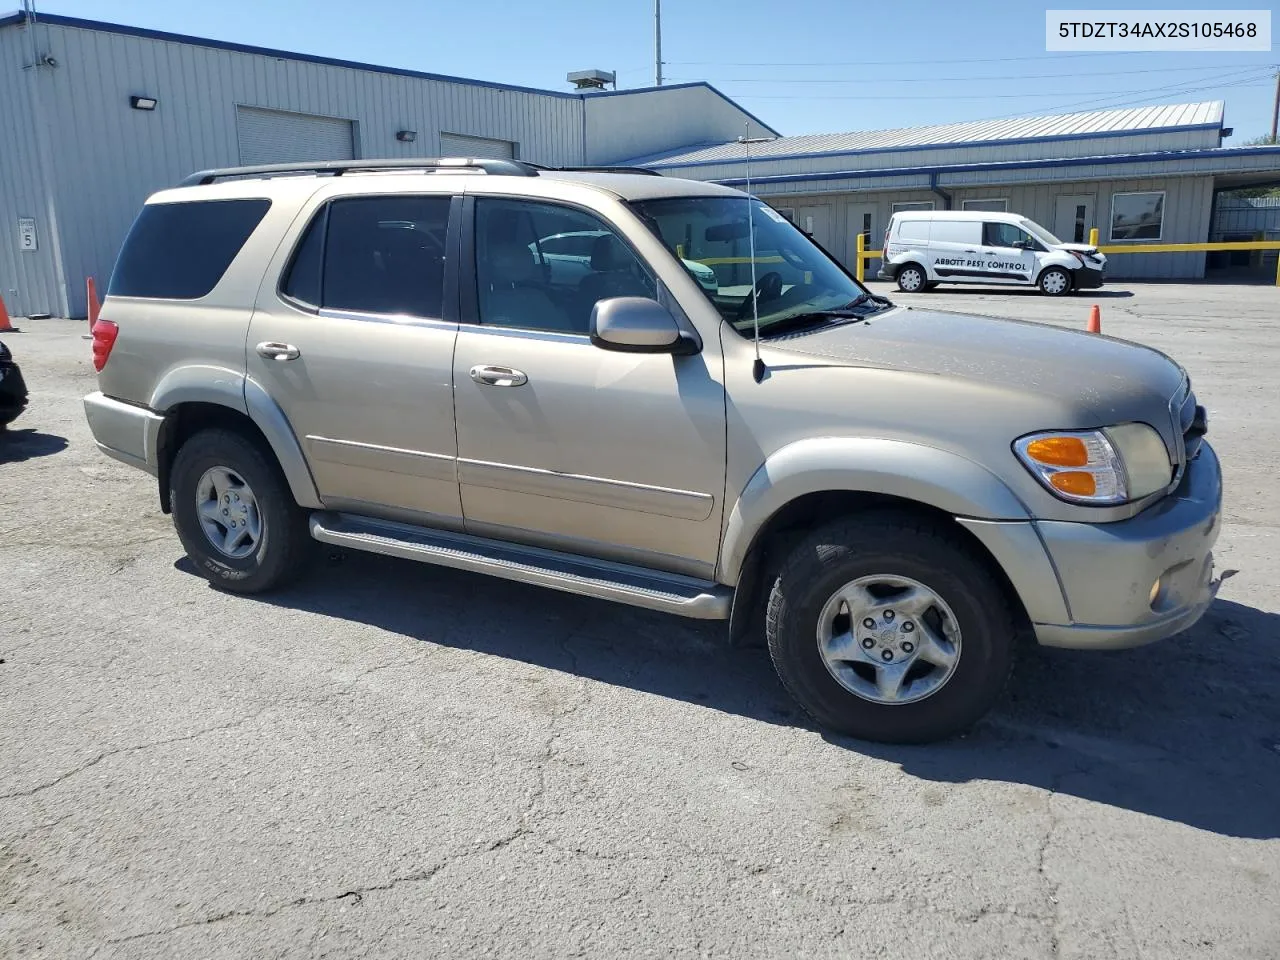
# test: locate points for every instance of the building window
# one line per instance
(1137, 216)
(912, 205)
(788, 212)
(999, 204)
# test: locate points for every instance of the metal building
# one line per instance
(96, 116)
(1141, 176)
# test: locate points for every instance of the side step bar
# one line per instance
(620, 582)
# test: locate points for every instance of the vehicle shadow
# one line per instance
(18, 445)
(1187, 730)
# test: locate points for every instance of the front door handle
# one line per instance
(494, 376)
(270, 350)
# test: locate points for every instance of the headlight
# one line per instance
(1103, 467)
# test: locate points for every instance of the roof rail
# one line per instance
(508, 168)
(607, 168)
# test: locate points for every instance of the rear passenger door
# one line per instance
(955, 248)
(355, 344)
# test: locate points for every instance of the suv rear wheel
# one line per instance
(889, 628)
(234, 513)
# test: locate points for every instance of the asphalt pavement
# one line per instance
(394, 760)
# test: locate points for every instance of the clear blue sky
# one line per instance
(804, 66)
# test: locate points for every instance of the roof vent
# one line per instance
(592, 79)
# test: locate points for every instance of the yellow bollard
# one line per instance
(1093, 236)
(1278, 268)
(860, 248)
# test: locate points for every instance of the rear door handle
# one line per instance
(971, 251)
(495, 376)
(270, 350)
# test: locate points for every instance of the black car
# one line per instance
(13, 389)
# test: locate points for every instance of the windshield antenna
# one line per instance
(757, 368)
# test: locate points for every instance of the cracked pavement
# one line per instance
(393, 760)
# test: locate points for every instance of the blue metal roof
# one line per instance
(1095, 124)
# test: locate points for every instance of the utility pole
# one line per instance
(657, 38)
(1275, 110)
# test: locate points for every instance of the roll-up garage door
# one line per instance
(457, 145)
(273, 136)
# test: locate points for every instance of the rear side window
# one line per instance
(955, 231)
(913, 230)
(373, 255)
(179, 251)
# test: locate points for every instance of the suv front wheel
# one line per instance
(234, 513)
(889, 628)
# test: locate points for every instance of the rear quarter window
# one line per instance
(179, 251)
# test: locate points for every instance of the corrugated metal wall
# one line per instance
(108, 157)
(1186, 216)
(29, 282)
(619, 126)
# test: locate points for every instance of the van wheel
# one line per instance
(912, 278)
(890, 628)
(234, 513)
(1054, 282)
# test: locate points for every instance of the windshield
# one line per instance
(793, 276)
(1039, 232)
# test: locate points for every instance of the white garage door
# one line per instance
(457, 145)
(273, 136)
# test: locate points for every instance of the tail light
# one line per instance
(104, 338)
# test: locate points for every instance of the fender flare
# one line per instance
(899, 468)
(225, 387)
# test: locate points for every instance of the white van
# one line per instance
(923, 248)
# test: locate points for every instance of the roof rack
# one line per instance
(506, 168)
(608, 168)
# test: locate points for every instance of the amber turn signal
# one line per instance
(1075, 482)
(1059, 452)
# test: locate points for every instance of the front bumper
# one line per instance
(1107, 570)
(127, 432)
(1088, 278)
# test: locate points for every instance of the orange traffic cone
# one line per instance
(5, 325)
(95, 308)
(1095, 320)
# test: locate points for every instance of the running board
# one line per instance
(589, 577)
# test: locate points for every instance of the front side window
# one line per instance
(179, 251)
(793, 276)
(1137, 216)
(380, 254)
(1005, 235)
(540, 266)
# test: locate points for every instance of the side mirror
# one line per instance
(639, 325)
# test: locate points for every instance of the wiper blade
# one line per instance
(811, 318)
(868, 298)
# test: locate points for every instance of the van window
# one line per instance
(913, 230)
(179, 251)
(1005, 235)
(955, 231)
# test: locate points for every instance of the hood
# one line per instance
(1096, 380)
(1081, 247)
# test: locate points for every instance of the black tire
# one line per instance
(282, 548)
(899, 545)
(1057, 291)
(909, 271)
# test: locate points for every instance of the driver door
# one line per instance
(561, 443)
(1008, 254)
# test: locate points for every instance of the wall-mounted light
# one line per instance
(143, 103)
(406, 136)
